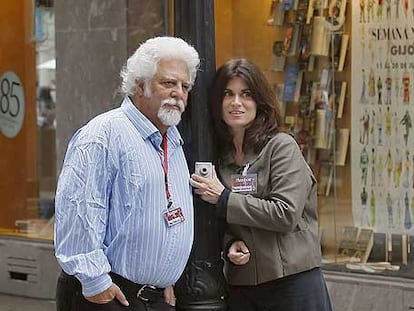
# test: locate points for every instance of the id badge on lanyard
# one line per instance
(172, 216)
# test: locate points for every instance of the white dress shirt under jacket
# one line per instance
(111, 199)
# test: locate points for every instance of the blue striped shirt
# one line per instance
(111, 200)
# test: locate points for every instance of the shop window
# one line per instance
(46, 106)
(27, 119)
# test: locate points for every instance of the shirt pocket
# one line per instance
(131, 180)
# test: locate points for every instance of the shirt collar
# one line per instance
(146, 128)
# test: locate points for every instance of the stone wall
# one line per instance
(93, 40)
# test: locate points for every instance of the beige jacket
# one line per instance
(279, 223)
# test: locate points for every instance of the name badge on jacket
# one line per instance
(244, 184)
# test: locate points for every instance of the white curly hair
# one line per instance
(142, 65)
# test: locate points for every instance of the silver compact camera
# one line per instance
(204, 169)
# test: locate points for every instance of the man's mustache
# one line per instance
(174, 102)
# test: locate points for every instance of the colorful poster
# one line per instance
(382, 140)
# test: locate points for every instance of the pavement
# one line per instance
(18, 303)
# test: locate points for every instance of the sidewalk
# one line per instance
(17, 303)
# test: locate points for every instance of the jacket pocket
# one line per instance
(298, 250)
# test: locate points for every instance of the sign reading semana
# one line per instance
(382, 140)
(11, 104)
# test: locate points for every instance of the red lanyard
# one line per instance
(165, 164)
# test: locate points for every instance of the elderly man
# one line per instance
(124, 212)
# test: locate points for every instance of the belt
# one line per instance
(144, 292)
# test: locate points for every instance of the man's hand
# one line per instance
(108, 295)
(169, 295)
(239, 253)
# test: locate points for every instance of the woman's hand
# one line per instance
(238, 253)
(208, 189)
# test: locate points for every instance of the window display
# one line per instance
(382, 142)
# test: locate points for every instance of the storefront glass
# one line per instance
(27, 119)
(46, 109)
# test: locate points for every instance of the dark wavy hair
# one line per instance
(266, 123)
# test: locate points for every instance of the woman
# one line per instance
(267, 196)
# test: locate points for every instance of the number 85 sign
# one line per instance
(11, 104)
